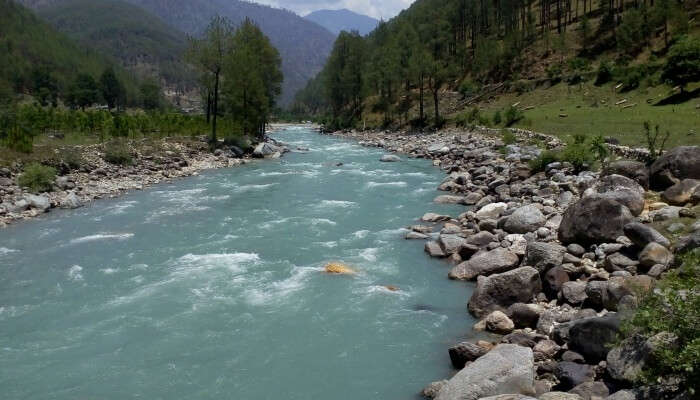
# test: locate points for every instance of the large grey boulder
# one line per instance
(591, 390)
(509, 397)
(485, 263)
(626, 362)
(449, 199)
(675, 165)
(681, 193)
(544, 255)
(500, 291)
(594, 219)
(571, 374)
(39, 202)
(266, 149)
(506, 369)
(623, 190)
(654, 254)
(451, 243)
(491, 211)
(464, 352)
(71, 201)
(635, 170)
(560, 396)
(591, 337)
(525, 219)
(641, 235)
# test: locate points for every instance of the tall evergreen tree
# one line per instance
(112, 89)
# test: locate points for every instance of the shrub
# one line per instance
(634, 77)
(554, 73)
(600, 149)
(512, 115)
(683, 64)
(655, 142)
(497, 118)
(604, 73)
(579, 155)
(467, 88)
(117, 152)
(37, 178)
(540, 163)
(673, 307)
(508, 137)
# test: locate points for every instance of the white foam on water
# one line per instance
(369, 254)
(75, 273)
(5, 250)
(361, 234)
(121, 207)
(416, 174)
(192, 263)
(328, 245)
(248, 188)
(322, 221)
(102, 236)
(337, 203)
(109, 271)
(279, 290)
(383, 290)
(386, 184)
(392, 233)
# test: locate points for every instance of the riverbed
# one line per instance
(213, 286)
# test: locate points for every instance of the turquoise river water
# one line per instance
(211, 287)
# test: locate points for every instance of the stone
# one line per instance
(450, 243)
(416, 236)
(491, 211)
(544, 255)
(665, 214)
(472, 198)
(554, 280)
(591, 336)
(509, 397)
(431, 391)
(634, 170)
(449, 199)
(485, 263)
(676, 227)
(626, 362)
(622, 395)
(545, 349)
(434, 249)
(560, 396)
(18, 206)
(506, 369)
(680, 193)
(265, 150)
(623, 190)
(71, 201)
(5, 182)
(594, 219)
(688, 243)
(500, 291)
(432, 217)
(524, 315)
(597, 294)
(464, 352)
(38, 202)
(641, 235)
(591, 390)
(571, 374)
(653, 254)
(574, 292)
(575, 249)
(573, 357)
(619, 261)
(675, 165)
(525, 219)
(390, 158)
(482, 239)
(498, 322)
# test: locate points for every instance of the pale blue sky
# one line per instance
(374, 8)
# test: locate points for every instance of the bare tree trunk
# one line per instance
(216, 109)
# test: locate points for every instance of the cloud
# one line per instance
(385, 9)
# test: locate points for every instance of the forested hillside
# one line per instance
(37, 60)
(337, 21)
(140, 41)
(408, 69)
(303, 45)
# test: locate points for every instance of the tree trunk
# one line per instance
(208, 106)
(422, 108)
(215, 109)
(437, 103)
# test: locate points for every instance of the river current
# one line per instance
(212, 287)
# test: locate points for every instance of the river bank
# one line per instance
(558, 257)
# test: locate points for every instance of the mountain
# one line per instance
(140, 41)
(337, 21)
(303, 45)
(33, 53)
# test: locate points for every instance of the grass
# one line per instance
(591, 110)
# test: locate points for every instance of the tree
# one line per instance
(150, 95)
(344, 78)
(83, 92)
(112, 90)
(632, 33)
(585, 29)
(44, 86)
(208, 54)
(683, 62)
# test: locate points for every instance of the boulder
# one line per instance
(560, 396)
(390, 158)
(654, 253)
(594, 219)
(623, 190)
(462, 353)
(500, 291)
(450, 243)
(509, 397)
(39, 202)
(525, 315)
(525, 219)
(591, 337)
(544, 255)
(18, 206)
(675, 165)
(571, 374)
(622, 395)
(485, 263)
(634, 170)
(431, 391)
(432, 217)
(449, 199)
(554, 280)
(574, 292)
(491, 211)
(71, 201)
(434, 249)
(506, 369)
(681, 193)
(498, 322)
(626, 362)
(546, 350)
(688, 243)
(641, 235)
(266, 150)
(591, 390)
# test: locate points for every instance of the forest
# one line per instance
(467, 46)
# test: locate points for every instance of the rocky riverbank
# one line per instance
(557, 256)
(156, 162)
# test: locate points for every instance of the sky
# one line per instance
(379, 9)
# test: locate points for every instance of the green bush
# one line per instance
(604, 73)
(508, 137)
(579, 155)
(37, 178)
(468, 88)
(674, 307)
(540, 163)
(497, 118)
(512, 115)
(554, 73)
(118, 153)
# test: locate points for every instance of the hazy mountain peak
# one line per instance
(343, 20)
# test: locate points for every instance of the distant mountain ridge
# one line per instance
(337, 21)
(303, 44)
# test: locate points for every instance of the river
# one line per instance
(212, 287)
